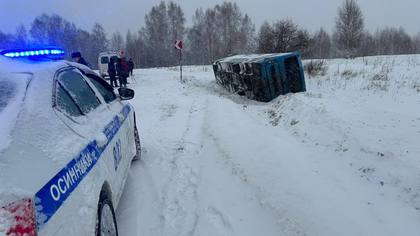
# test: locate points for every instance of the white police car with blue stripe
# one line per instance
(67, 146)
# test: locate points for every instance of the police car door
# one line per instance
(120, 129)
(91, 117)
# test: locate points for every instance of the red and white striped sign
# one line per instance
(179, 45)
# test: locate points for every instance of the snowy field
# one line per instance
(341, 159)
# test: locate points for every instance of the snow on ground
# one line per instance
(340, 159)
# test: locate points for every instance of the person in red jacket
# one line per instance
(122, 71)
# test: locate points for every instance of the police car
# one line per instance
(66, 144)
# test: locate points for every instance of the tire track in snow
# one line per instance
(227, 203)
(140, 195)
(284, 224)
(180, 194)
(279, 222)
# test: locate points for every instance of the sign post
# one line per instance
(179, 45)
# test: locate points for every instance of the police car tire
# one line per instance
(138, 145)
(104, 201)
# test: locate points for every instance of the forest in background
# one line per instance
(215, 33)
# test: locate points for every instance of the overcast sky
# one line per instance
(121, 15)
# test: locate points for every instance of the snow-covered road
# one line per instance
(341, 159)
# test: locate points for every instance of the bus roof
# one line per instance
(254, 58)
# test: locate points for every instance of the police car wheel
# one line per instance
(138, 145)
(107, 223)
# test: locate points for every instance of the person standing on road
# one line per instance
(77, 57)
(131, 66)
(122, 71)
(112, 72)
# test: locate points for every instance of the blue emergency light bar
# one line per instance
(52, 53)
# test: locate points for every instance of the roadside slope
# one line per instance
(340, 159)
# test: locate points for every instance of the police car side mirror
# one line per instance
(126, 93)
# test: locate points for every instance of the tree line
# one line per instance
(215, 33)
(57, 31)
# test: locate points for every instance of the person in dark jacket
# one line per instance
(112, 72)
(77, 57)
(122, 71)
(131, 66)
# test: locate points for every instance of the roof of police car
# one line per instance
(39, 143)
(8, 65)
(36, 116)
(35, 109)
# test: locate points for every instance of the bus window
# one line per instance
(236, 68)
(104, 60)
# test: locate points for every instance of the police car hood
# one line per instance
(36, 141)
(12, 93)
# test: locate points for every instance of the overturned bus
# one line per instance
(261, 77)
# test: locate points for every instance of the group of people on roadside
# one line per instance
(118, 68)
(121, 69)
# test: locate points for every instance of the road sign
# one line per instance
(179, 45)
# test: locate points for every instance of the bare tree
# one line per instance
(197, 40)
(100, 41)
(176, 29)
(416, 43)
(228, 20)
(156, 31)
(142, 55)
(55, 30)
(246, 36)
(391, 41)
(282, 36)
(21, 36)
(211, 35)
(266, 38)
(130, 45)
(285, 33)
(321, 45)
(91, 44)
(117, 42)
(219, 32)
(6, 40)
(302, 42)
(234, 30)
(368, 45)
(349, 28)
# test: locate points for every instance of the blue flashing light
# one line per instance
(52, 53)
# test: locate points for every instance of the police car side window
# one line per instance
(65, 103)
(104, 88)
(79, 90)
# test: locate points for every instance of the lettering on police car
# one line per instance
(72, 175)
(50, 197)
